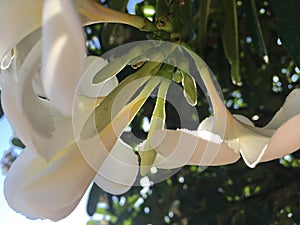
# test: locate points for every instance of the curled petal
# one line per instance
(62, 53)
(250, 143)
(119, 170)
(289, 109)
(241, 136)
(14, 81)
(44, 183)
(14, 182)
(110, 186)
(38, 189)
(61, 137)
(28, 112)
(93, 12)
(264, 144)
(86, 87)
(284, 141)
(36, 110)
(183, 147)
(117, 165)
(17, 20)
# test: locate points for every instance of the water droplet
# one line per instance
(295, 78)
(255, 118)
(279, 42)
(145, 182)
(262, 11)
(275, 79)
(266, 59)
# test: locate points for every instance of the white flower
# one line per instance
(39, 78)
(222, 138)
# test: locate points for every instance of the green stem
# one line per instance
(148, 155)
(221, 114)
(92, 12)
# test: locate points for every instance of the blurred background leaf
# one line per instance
(289, 26)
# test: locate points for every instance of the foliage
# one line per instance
(239, 40)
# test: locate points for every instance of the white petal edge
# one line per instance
(290, 108)
(54, 189)
(121, 165)
(93, 65)
(13, 185)
(27, 112)
(182, 147)
(284, 141)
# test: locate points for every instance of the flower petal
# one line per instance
(250, 143)
(86, 87)
(61, 137)
(110, 186)
(241, 136)
(289, 109)
(17, 20)
(13, 82)
(284, 141)
(28, 112)
(183, 147)
(36, 109)
(45, 188)
(13, 185)
(119, 170)
(63, 53)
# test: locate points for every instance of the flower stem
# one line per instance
(148, 155)
(92, 12)
(221, 113)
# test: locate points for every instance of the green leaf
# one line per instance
(289, 26)
(17, 142)
(231, 40)
(119, 5)
(203, 13)
(254, 25)
(177, 77)
(93, 199)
